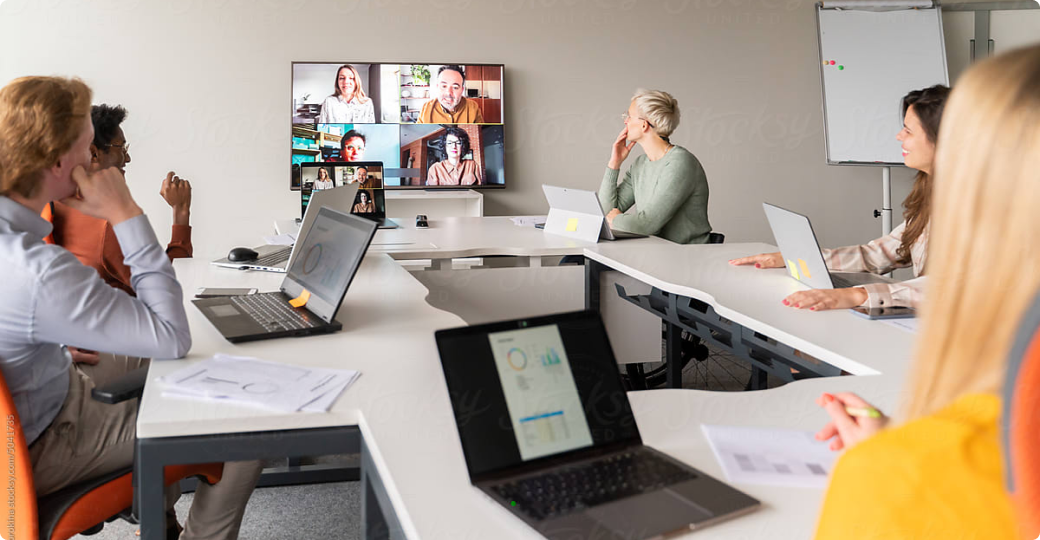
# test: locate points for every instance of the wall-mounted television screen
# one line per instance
(432, 126)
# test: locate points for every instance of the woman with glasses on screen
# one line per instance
(364, 204)
(455, 170)
(348, 103)
(667, 184)
(323, 181)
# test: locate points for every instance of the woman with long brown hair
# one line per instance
(939, 473)
(906, 245)
(348, 103)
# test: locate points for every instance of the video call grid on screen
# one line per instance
(402, 122)
(369, 199)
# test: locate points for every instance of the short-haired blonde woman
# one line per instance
(667, 184)
(939, 473)
(348, 103)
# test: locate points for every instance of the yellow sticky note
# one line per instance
(572, 224)
(793, 269)
(805, 268)
(301, 300)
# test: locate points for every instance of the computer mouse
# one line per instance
(241, 254)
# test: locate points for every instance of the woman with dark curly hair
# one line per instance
(455, 170)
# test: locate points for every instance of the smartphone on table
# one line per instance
(895, 312)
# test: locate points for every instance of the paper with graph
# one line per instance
(260, 383)
(773, 457)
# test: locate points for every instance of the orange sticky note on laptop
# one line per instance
(805, 268)
(301, 300)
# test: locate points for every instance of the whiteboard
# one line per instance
(869, 60)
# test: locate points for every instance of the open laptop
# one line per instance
(278, 258)
(578, 214)
(802, 255)
(330, 252)
(548, 434)
(367, 175)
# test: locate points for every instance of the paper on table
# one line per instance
(773, 457)
(261, 383)
(286, 239)
(527, 221)
(908, 324)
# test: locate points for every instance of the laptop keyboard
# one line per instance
(840, 282)
(591, 484)
(273, 313)
(272, 259)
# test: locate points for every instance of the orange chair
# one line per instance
(80, 509)
(1021, 423)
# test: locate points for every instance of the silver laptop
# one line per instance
(802, 255)
(578, 213)
(278, 258)
(332, 249)
(548, 434)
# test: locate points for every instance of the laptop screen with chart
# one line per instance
(327, 260)
(541, 396)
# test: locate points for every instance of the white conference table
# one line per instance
(413, 471)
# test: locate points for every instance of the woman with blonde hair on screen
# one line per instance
(323, 181)
(938, 472)
(348, 103)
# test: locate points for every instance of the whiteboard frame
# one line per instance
(823, 89)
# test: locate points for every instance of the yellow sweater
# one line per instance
(938, 477)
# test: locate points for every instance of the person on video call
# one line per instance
(360, 176)
(351, 147)
(348, 103)
(455, 170)
(323, 181)
(449, 106)
(364, 204)
(667, 184)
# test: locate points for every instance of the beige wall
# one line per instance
(207, 84)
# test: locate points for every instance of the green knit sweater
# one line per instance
(670, 194)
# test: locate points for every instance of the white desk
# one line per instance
(752, 298)
(412, 460)
(458, 237)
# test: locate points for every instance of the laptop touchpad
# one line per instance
(648, 515)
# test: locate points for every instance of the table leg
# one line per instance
(673, 354)
(148, 479)
(378, 520)
(593, 271)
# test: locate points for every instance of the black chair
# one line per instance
(690, 349)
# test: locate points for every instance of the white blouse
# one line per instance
(337, 111)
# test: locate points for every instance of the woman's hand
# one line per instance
(619, 152)
(611, 215)
(821, 299)
(847, 429)
(765, 260)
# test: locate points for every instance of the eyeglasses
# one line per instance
(452, 143)
(125, 147)
(625, 117)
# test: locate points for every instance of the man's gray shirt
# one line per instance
(48, 298)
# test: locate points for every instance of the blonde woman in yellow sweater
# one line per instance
(936, 470)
